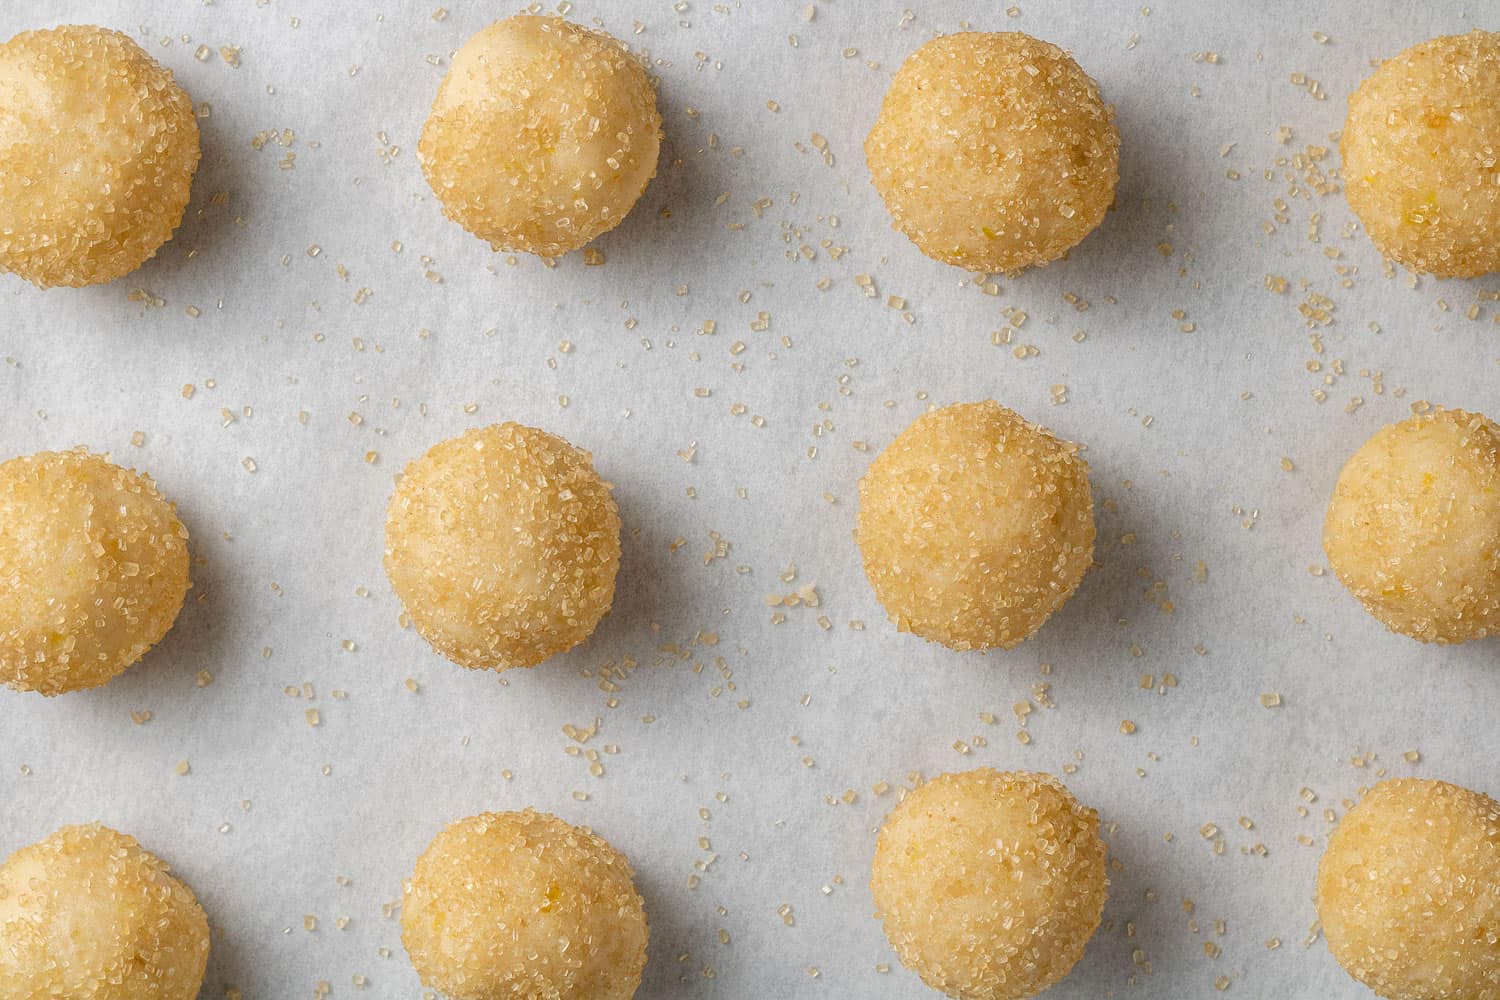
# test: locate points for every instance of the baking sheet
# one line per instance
(329, 283)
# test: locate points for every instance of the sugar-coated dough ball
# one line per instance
(1414, 526)
(542, 136)
(503, 544)
(1421, 150)
(88, 914)
(98, 145)
(989, 883)
(93, 570)
(522, 905)
(1409, 892)
(975, 526)
(994, 151)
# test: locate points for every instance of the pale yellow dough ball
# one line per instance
(1421, 150)
(990, 883)
(1409, 892)
(523, 905)
(503, 544)
(994, 151)
(93, 570)
(543, 135)
(975, 526)
(1413, 529)
(88, 914)
(98, 145)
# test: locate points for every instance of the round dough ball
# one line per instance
(975, 526)
(98, 145)
(989, 883)
(503, 544)
(994, 151)
(522, 904)
(88, 914)
(1421, 151)
(1409, 891)
(1413, 529)
(542, 136)
(93, 570)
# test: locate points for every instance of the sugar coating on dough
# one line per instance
(1413, 529)
(1409, 891)
(522, 905)
(990, 883)
(1421, 151)
(542, 136)
(975, 526)
(88, 914)
(93, 570)
(503, 544)
(994, 151)
(98, 145)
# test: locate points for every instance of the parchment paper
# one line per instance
(328, 283)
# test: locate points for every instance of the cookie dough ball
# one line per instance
(98, 145)
(503, 544)
(975, 526)
(88, 914)
(542, 136)
(1414, 526)
(989, 883)
(1421, 150)
(1409, 891)
(522, 904)
(994, 151)
(93, 570)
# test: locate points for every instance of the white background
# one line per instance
(1185, 433)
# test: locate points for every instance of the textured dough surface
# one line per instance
(524, 905)
(1409, 892)
(1421, 151)
(990, 883)
(503, 544)
(994, 151)
(98, 145)
(543, 135)
(1413, 529)
(975, 526)
(88, 914)
(93, 570)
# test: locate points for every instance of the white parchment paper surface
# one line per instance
(328, 282)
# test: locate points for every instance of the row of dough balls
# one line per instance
(993, 151)
(503, 543)
(989, 885)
